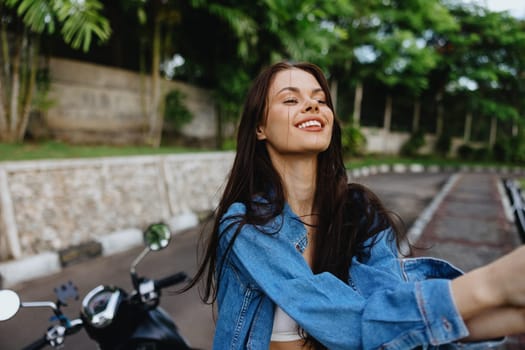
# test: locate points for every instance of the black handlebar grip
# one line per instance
(38, 344)
(171, 280)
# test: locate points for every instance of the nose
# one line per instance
(311, 105)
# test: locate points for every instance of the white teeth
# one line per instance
(309, 123)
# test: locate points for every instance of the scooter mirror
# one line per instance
(157, 236)
(9, 304)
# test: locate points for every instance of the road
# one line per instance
(405, 194)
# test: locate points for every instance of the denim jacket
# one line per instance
(388, 303)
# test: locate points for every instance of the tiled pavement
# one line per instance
(470, 227)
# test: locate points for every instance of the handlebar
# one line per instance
(54, 336)
(171, 280)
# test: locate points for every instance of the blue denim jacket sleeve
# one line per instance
(391, 314)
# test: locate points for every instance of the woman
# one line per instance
(299, 259)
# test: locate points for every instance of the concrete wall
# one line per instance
(94, 103)
(383, 142)
(52, 205)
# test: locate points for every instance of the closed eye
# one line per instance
(290, 101)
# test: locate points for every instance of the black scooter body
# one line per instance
(157, 331)
(137, 327)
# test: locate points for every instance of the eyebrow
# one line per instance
(295, 89)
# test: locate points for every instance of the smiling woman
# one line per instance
(300, 259)
(298, 118)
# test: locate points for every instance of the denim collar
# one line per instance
(296, 232)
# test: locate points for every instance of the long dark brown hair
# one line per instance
(347, 214)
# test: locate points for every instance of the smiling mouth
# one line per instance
(310, 123)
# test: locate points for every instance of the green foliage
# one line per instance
(41, 100)
(465, 152)
(229, 144)
(403, 42)
(80, 21)
(492, 107)
(353, 140)
(482, 154)
(443, 144)
(175, 110)
(412, 146)
(469, 153)
(509, 149)
(502, 151)
(28, 23)
(480, 64)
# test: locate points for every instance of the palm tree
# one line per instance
(23, 24)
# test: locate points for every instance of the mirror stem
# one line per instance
(134, 264)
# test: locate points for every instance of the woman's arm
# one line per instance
(496, 323)
(498, 284)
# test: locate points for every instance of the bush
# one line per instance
(465, 152)
(229, 144)
(443, 144)
(502, 151)
(353, 140)
(509, 149)
(412, 146)
(175, 111)
(482, 154)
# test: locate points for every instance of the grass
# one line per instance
(59, 150)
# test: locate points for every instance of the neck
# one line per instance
(298, 175)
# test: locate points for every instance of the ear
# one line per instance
(260, 133)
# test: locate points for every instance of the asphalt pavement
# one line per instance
(439, 204)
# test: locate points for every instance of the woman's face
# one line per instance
(298, 120)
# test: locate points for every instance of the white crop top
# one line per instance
(284, 327)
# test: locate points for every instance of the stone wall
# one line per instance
(52, 205)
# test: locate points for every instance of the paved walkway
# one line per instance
(470, 226)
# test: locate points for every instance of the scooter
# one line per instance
(114, 319)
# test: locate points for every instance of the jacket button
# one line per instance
(447, 325)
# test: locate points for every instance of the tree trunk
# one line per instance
(358, 100)
(15, 92)
(33, 52)
(333, 92)
(220, 136)
(155, 122)
(4, 77)
(416, 116)
(439, 118)
(468, 127)
(3, 112)
(493, 131)
(144, 95)
(387, 120)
